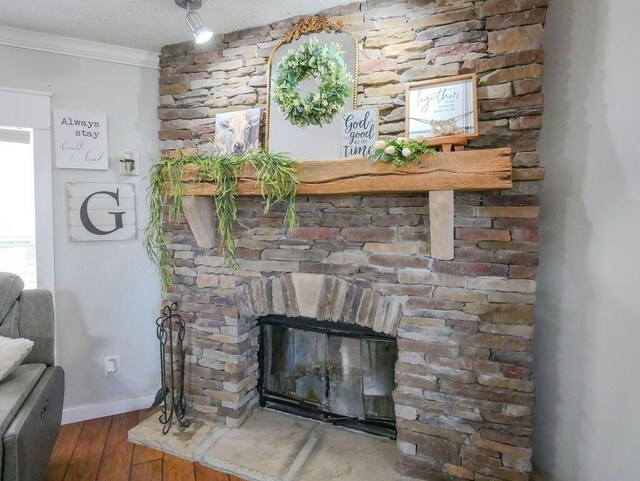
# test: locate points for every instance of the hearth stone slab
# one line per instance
(179, 441)
(273, 446)
(343, 455)
(263, 448)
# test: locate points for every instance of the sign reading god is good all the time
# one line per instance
(81, 140)
(359, 133)
(101, 211)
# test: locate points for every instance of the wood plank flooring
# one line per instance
(98, 450)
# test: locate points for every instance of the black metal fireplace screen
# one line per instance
(338, 373)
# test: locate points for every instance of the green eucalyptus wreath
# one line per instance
(326, 64)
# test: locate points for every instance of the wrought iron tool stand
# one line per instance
(171, 398)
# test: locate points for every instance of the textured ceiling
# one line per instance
(147, 24)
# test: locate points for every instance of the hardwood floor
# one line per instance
(98, 450)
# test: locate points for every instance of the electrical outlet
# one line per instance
(111, 365)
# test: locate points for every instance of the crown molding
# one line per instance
(44, 42)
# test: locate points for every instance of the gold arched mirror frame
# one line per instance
(308, 27)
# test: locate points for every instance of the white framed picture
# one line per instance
(442, 108)
(80, 140)
(101, 211)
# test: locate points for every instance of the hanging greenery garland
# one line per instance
(275, 173)
(326, 64)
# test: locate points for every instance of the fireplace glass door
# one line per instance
(339, 373)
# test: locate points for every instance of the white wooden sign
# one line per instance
(81, 140)
(359, 133)
(101, 211)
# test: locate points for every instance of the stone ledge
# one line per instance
(273, 446)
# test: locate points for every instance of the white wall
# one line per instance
(587, 317)
(107, 293)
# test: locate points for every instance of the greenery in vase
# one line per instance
(275, 173)
(400, 151)
(325, 64)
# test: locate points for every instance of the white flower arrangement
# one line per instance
(400, 151)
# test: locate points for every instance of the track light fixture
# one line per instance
(201, 34)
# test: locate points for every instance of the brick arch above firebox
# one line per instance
(321, 297)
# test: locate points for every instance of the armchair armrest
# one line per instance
(36, 323)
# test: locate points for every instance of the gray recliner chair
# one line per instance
(31, 396)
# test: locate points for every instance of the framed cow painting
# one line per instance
(237, 132)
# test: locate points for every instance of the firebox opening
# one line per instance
(337, 373)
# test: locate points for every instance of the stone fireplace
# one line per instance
(463, 380)
(463, 392)
(355, 383)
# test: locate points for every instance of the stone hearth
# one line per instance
(464, 395)
(272, 446)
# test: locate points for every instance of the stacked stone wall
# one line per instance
(465, 392)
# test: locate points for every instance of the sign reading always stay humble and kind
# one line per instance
(101, 211)
(81, 140)
(359, 133)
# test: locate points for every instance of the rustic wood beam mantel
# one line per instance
(470, 170)
(445, 172)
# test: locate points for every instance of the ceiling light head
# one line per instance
(201, 34)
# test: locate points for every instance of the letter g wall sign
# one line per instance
(101, 211)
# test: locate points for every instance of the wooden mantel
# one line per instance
(464, 170)
(470, 170)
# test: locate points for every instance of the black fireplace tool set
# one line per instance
(170, 398)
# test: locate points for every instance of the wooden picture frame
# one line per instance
(443, 107)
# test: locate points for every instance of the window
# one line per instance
(17, 204)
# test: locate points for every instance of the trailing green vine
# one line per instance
(275, 173)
